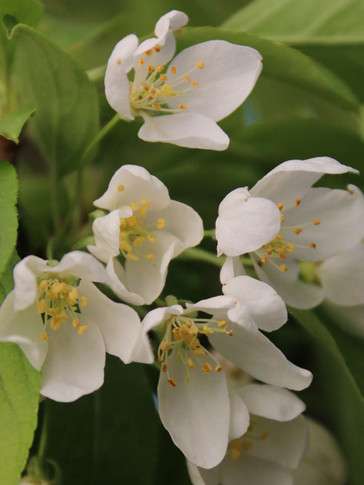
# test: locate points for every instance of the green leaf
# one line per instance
(12, 123)
(66, 118)
(8, 212)
(331, 31)
(19, 394)
(6, 277)
(110, 436)
(24, 11)
(335, 389)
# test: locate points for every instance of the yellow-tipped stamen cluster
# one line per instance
(183, 335)
(245, 443)
(134, 232)
(158, 87)
(57, 302)
(279, 247)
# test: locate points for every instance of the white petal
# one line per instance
(183, 222)
(239, 415)
(106, 230)
(82, 265)
(116, 79)
(245, 223)
(255, 354)
(343, 277)
(252, 471)
(285, 442)
(117, 283)
(119, 324)
(271, 402)
(232, 267)
(132, 183)
(158, 315)
(25, 280)
(292, 179)
(195, 414)
(75, 363)
(265, 305)
(172, 20)
(191, 130)
(229, 75)
(211, 477)
(294, 292)
(340, 212)
(23, 328)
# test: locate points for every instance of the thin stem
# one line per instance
(97, 73)
(55, 199)
(43, 437)
(198, 254)
(209, 233)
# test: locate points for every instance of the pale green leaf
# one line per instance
(8, 212)
(12, 123)
(24, 11)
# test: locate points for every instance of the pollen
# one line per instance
(75, 323)
(230, 333)
(280, 206)
(121, 188)
(42, 285)
(182, 106)
(165, 346)
(161, 223)
(218, 368)
(222, 324)
(150, 256)
(172, 382)
(283, 218)
(265, 259)
(282, 255)
(187, 79)
(144, 203)
(164, 368)
(159, 68)
(316, 222)
(43, 336)
(297, 230)
(82, 329)
(163, 77)
(141, 62)
(199, 351)
(148, 52)
(138, 241)
(150, 68)
(157, 48)
(283, 268)
(206, 368)
(297, 202)
(289, 248)
(312, 245)
(195, 84)
(132, 257)
(41, 306)
(200, 65)
(190, 363)
(156, 106)
(173, 69)
(142, 212)
(134, 206)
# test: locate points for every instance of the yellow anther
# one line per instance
(172, 382)
(161, 223)
(150, 256)
(218, 368)
(164, 368)
(283, 218)
(138, 241)
(121, 188)
(316, 222)
(200, 65)
(190, 363)
(182, 106)
(282, 255)
(246, 445)
(206, 367)
(312, 245)
(268, 251)
(43, 336)
(132, 257)
(297, 230)
(222, 324)
(41, 306)
(148, 52)
(144, 203)
(283, 268)
(199, 351)
(83, 301)
(265, 259)
(187, 79)
(55, 290)
(173, 69)
(230, 333)
(82, 329)
(160, 358)
(118, 62)
(42, 285)
(167, 90)
(151, 238)
(163, 77)
(75, 323)
(159, 68)
(289, 248)
(141, 62)
(280, 206)
(150, 68)
(165, 346)
(195, 84)
(72, 297)
(126, 246)
(156, 106)
(157, 48)
(56, 323)
(142, 212)
(279, 237)
(298, 201)
(207, 329)
(134, 206)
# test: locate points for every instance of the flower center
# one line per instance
(281, 246)
(183, 335)
(158, 87)
(59, 300)
(134, 232)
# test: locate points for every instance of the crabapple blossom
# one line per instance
(282, 221)
(64, 324)
(180, 100)
(143, 231)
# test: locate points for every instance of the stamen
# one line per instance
(173, 69)
(312, 245)
(75, 323)
(157, 48)
(148, 52)
(134, 206)
(265, 259)
(246, 445)
(132, 257)
(280, 206)
(141, 62)
(316, 222)
(230, 333)
(138, 241)
(151, 238)
(195, 84)
(161, 223)
(200, 65)
(218, 368)
(150, 68)
(283, 268)
(41, 306)
(43, 336)
(144, 203)
(298, 201)
(206, 368)
(163, 77)
(172, 382)
(121, 188)
(81, 330)
(156, 106)
(297, 230)
(83, 301)
(150, 256)
(187, 79)
(222, 324)
(190, 363)
(159, 68)
(182, 106)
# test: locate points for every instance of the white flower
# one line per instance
(181, 103)
(64, 324)
(143, 232)
(272, 446)
(193, 397)
(282, 221)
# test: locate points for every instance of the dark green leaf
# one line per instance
(12, 123)
(6, 277)
(8, 212)
(24, 11)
